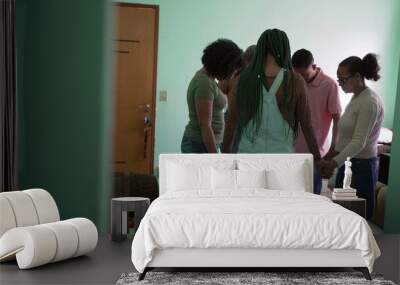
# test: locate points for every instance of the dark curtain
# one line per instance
(8, 100)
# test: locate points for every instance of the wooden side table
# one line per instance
(357, 205)
(119, 214)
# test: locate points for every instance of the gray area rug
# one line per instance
(233, 278)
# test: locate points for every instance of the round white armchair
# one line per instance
(31, 231)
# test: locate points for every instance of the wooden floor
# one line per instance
(110, 260)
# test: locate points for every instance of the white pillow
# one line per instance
(282, 174)
(183, 177)
(292, 179)
(223, 179)
(251, 178)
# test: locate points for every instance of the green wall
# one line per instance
(392, 214)
(64, 52)
(332, 30)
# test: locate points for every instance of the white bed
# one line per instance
(202, 220)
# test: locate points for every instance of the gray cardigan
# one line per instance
(359, 127)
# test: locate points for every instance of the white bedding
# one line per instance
(251, 218)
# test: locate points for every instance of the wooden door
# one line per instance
(135, 49)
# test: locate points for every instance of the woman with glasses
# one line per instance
(358, 128)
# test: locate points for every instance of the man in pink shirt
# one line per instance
(324, 102)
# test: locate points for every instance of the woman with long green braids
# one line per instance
(270, 102)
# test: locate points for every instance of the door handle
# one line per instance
(146, 108)
(147, 126)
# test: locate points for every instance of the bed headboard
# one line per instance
(213, 159)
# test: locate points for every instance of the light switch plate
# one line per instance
(163, 95)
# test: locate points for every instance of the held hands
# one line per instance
(326, 167)
(331, 154)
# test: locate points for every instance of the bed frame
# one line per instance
(246, 259)
(241, 259)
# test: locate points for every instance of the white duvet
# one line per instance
(250, 219)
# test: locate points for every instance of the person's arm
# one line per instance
(303, 111)
(231, 123)
(364, 123)
(335, 109)
(332, 152)
(204, 110)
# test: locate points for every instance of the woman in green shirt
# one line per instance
(206, 102)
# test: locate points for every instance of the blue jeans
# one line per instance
(317, 181)
(190, 146)
(365, 176)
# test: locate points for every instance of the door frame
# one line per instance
(154, 91)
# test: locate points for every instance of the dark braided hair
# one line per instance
(249, 94)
